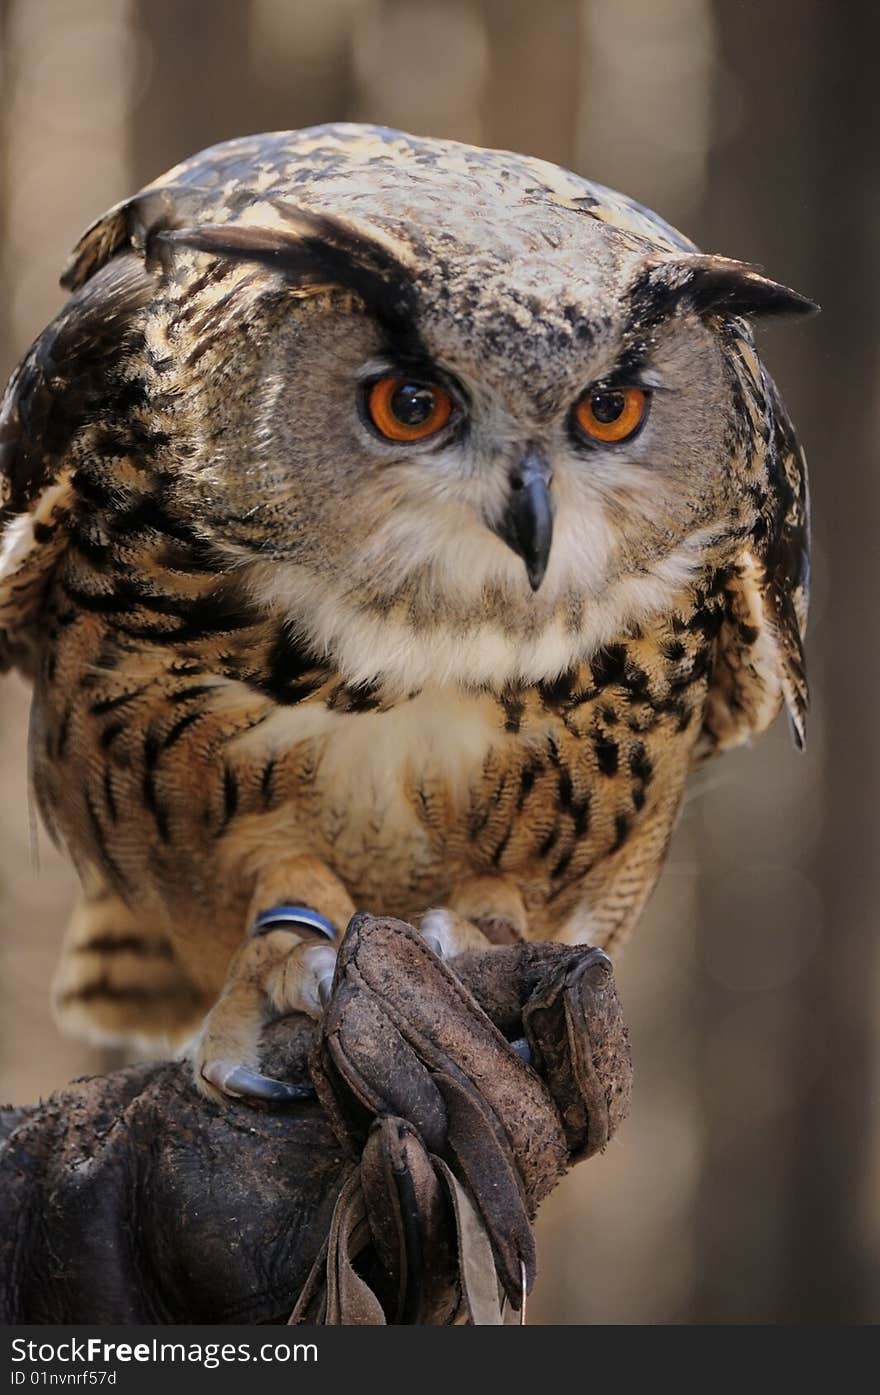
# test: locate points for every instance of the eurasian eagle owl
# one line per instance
(387, 524)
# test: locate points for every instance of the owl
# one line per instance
(387, 524)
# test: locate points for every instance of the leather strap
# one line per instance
(350, 1300)
(476, 1263)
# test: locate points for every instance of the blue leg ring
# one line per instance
(293, 918)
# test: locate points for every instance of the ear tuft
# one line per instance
(312, 249)
(715, 285)
(130, 225)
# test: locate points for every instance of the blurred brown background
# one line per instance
(746, 1185)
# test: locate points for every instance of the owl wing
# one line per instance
(66, 378)
(759, 658)
(759, 661)
(61, 384)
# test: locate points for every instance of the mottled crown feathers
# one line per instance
(319, 249)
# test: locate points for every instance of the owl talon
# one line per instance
(447, 933)
(239, 1082)
(273, 974)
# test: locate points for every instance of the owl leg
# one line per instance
(118, 981)
(482, 911)
(297, 917)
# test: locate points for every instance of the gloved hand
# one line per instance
(402, 1193)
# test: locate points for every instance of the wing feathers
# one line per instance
(60, 385)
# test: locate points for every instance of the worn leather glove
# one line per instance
(403, 1193)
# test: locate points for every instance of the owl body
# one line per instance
(258, 628)
(184, 784)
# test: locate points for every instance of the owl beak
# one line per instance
(527, 525)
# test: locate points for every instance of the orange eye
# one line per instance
(612, 414)
(402, 410)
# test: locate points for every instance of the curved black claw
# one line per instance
(243, 1083)
(293, 918)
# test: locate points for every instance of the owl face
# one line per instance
(512, 454)
(505, 464)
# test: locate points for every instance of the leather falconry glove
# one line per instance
(400, 1189)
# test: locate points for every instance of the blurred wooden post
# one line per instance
(197, 91)
(531, 98)
(835, 1216)
(783, 1205)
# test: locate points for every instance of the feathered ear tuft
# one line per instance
(714, 285)
(308, 249)
(130, 225)
(317, 250)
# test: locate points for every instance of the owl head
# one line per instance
(454, 413)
